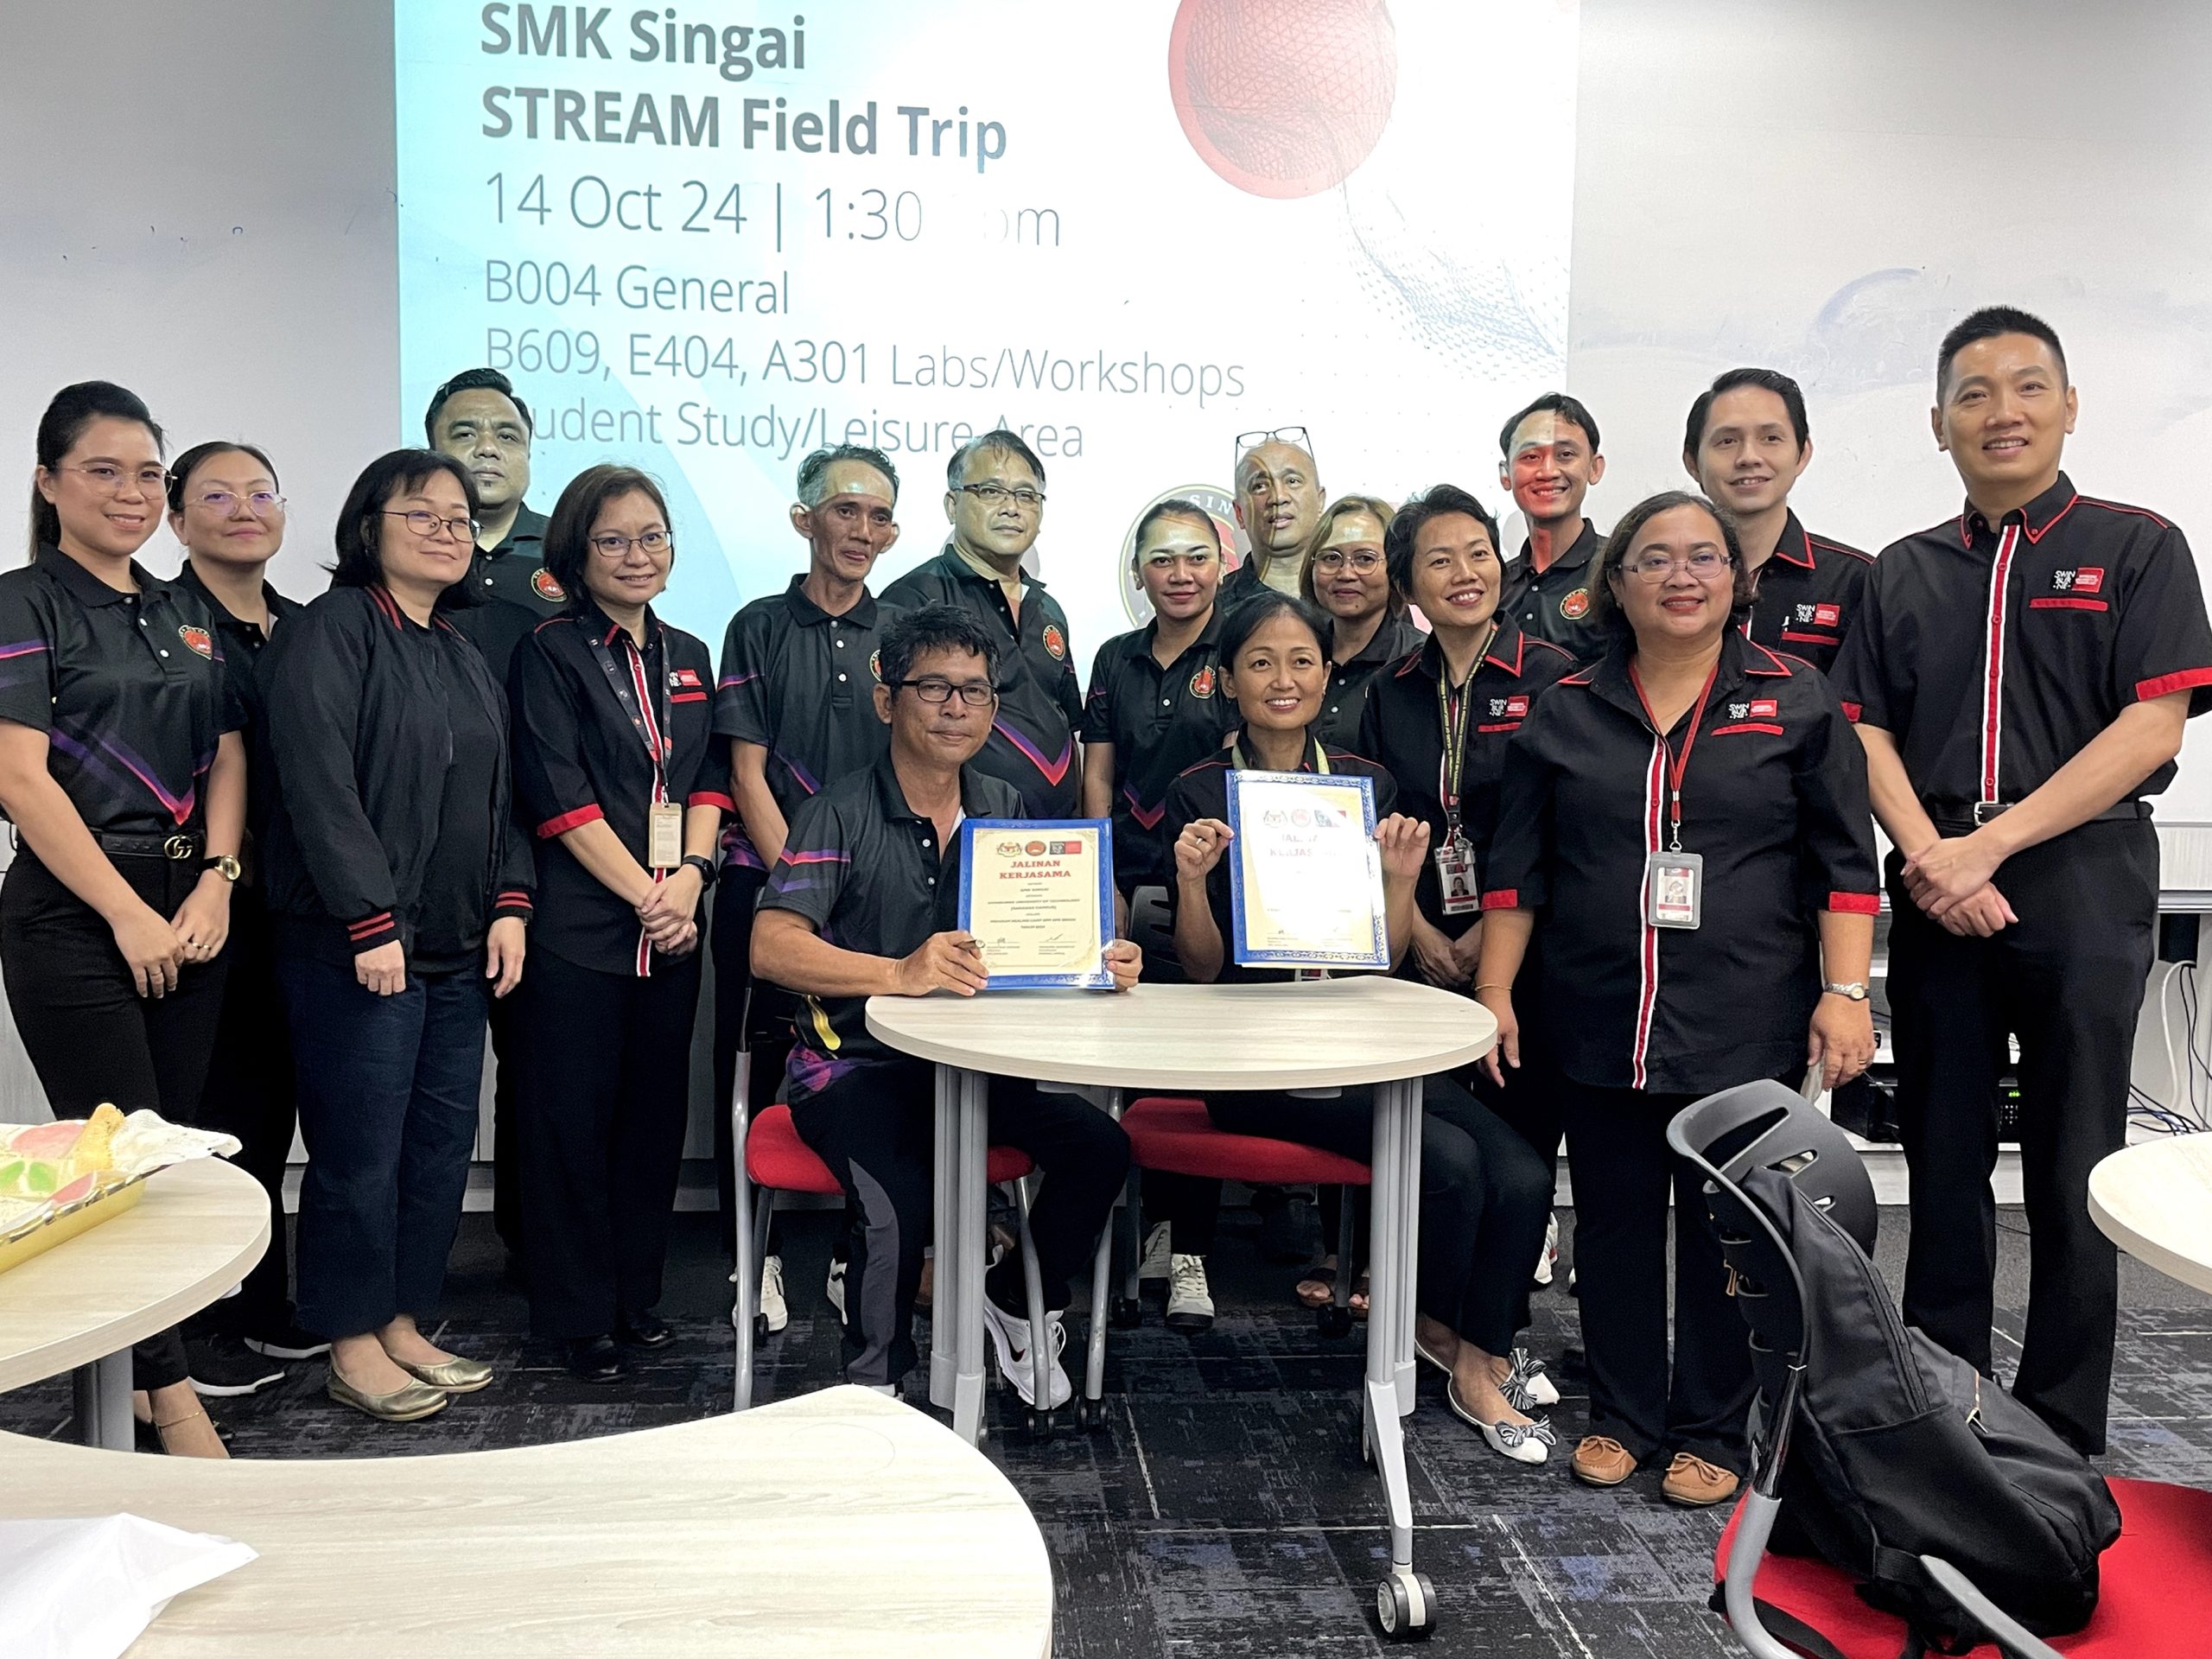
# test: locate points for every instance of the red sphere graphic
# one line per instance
(1282, 98)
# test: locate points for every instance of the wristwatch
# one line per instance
(224, 865)
(704, 865)
(1855, 990)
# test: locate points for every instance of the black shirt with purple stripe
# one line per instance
(1808, 595)
(1774, 800)
(1160, 720)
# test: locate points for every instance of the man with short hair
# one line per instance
(1747, 443)
(479, 419)
(995, 498)
(865, 902)
(2020, 676)
(1549, 459)
(1279, 500)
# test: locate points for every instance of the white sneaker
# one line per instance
(1549, 1255)
(1010, 1340)
(1190, 1303)
(1154, 1265)
(773, 1305)
(834, 1290)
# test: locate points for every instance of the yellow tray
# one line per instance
(103, 1205)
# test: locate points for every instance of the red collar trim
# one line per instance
(1777, 668)
(1520, 653)
(1781, 548)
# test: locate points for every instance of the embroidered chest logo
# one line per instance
(875, 664)
(198, 639)
(543, 584)
(683, 679)
(1055, 641)
(1576, 605)
(1508, 708)
(1822, 616)
(1202, 681)
(1756, 708)
(2089, 579)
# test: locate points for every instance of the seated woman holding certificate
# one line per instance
(1684, 825)
(1485, 1193)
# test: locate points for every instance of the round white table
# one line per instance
(79, 1306)
(838, 1523)
(2155, 1201)
(1187, 1039)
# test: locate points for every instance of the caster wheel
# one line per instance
(1333, 1322)
(759, 1328)
(1094, 1416)
(1405, 1604)
(1128, 1313)
(1042, 1425)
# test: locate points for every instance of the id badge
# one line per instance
(1674, 887)
(1455, 878)
(663, 835)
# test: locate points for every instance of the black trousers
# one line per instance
(507, 1128)
(875, 1128)
(1189, 1204)
(1484, 1195)
(1623, 1172)
(730, 936)
(2066, 980)
(91, 1037)
(605, 1086)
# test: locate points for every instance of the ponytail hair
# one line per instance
(73, 409)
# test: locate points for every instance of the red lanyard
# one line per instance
(1676, 767)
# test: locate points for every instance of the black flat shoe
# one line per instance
(645, 1331)
(596, 1359)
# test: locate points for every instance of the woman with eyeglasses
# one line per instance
(400, 886)
(613, 714)
(1345, 571)
(121, 770)
(1683, 825)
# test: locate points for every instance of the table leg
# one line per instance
(1390, 1256)
(944, 1294)
(973, 1203)
(1094, 1370)
(1408, 1116)
(103, 1403)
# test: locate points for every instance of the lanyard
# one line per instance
(1238, 762)
(1676, 767)
(1453, 713)
(655, 738)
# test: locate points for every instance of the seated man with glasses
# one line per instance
(1346, 576)
(1279, 497)
(865, 902)
(994, 498)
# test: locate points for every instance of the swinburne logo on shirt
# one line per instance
(683, 679)
(1758, 708)
(1822, 616)
(1508, 708)
(2089, 579)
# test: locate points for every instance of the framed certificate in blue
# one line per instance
(1304, 879)
(1038, 896)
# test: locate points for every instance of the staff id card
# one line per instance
(1673, 889)
(663, 835)
(1305, 876)
(1038, 898)
(1455, 877)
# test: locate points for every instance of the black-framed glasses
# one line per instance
(976, 694)
(1365, 560)
(1247, 441)
(653, 543)
(1705, 564)
(997, 495)
(427, 525)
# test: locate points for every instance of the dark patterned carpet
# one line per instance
(1223, 1510)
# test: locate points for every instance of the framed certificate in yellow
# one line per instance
(1305, 880)
(1038, 896)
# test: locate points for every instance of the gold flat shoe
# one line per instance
(406, 1404)
(454, 1376)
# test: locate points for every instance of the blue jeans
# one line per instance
(388, 1090)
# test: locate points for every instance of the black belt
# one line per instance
(177, 847)
(1965, 820)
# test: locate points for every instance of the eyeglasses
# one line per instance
(427, 525)
(976, 694)
(1366, 563)
(107, 478)
(261, 504)
(1247, 441)
(653, 543)
(1704, 564)
(997, 495)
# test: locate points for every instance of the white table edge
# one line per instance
(2181, 1269)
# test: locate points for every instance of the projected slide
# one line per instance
(706, 239)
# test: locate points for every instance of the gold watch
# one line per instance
(226, 865)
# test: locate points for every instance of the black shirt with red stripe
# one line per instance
(1995, 653)
(581, 757)
(1808, 595)
(1346, 701)
(1555, 604)
(1403, 731)
(1773, 798)
(1032, 745)
(1160, 720)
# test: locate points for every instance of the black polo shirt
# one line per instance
(243, 641)
(1774, 800)
(1559, 604)
(1160, 720)
(129, 688)
(801, 683)
(1995, 653)
(1341, 707)
(1032, 744)
(579, 757)
(507, 591)
(867, 871)
(1808, 594)
(1403, 732)
(1202, 791)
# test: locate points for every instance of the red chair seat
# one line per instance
(2157, 1582)
(1172, 1132)
(776, 1157)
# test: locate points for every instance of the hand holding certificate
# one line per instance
(1038, 898)
(1305, 875)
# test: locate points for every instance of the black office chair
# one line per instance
(1767, 1125)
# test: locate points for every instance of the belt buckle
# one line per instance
(178, 847)
(1984, 810)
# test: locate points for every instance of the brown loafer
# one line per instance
(1602, 1461)
(1696, 1485)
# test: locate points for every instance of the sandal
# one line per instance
(1317, 1289)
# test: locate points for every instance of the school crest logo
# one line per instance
(1055, 641)
(1576, 605)
(1202, 681)
(875, 664)
(543, 584)
(2089, 579)
(198, 639)
(1034, 848)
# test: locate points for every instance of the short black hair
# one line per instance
(1432, 503)
(360, 536)
(1607, 610)
(1000, 440)
(1175, 506)
(1986, 324)
(1251, 613)
(568, 532)
(1552, 402)
(816, 465)
(1773, 381)
(72, 408)
(475, 380)
(181, 469)
(933, 627)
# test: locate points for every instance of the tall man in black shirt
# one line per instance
(2020, 676)
(1549, 459)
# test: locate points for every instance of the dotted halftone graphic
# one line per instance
(1283, 98)
(1484, 317)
